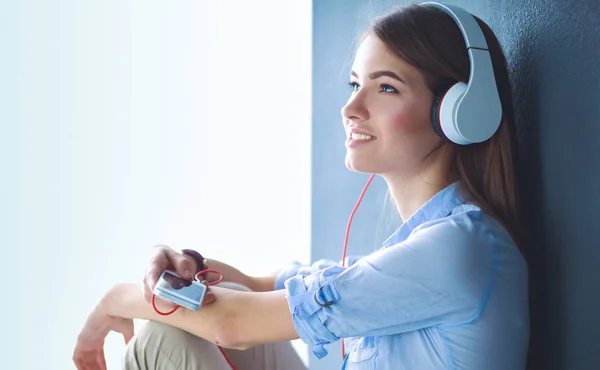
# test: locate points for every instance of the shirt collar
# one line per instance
(438, 206)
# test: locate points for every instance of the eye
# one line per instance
(355, 86)
(388, 89)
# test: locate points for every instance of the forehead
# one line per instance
(374, 55)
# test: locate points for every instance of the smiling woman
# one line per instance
(430, 111)
(394, 110)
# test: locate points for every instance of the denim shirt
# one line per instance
(448, 290)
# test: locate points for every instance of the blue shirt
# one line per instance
(448, 290)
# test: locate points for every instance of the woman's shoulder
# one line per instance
(467, 225)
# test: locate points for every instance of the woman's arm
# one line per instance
(255, 283)
(236, 319)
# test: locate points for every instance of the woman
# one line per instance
(449, 288)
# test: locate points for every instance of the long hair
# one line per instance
(431, 41)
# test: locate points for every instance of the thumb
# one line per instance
(128, 337)
(125, 327)
(128, 334)
(184, 266)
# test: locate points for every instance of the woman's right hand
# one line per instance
(166, 258)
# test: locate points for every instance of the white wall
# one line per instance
(127, 124)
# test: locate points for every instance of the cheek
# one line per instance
(408, 121)
(410, 132)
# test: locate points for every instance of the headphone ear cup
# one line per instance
(448, 107)
(438, 97)
(435, 114)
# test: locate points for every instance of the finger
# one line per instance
(78, 357)
(128, 337)
(79, 363)
(147, 293)
(184, 266)
(101, 360)
(90, 361)
(209, 297)
(158, 263)
(126, 328)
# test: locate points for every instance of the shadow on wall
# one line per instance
(524, 64)
(553, 51)
(525, 83)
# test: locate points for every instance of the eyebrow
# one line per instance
(378, 74)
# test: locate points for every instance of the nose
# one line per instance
(355, 109)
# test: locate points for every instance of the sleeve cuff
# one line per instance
(308, 299)
(286, 273)
(296, 268)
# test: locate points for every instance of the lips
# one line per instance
(357, 137)
(358, 132)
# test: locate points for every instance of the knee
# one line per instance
(146, 344)
(155, 333)
(159, 346)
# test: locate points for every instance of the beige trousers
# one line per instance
(162, 347)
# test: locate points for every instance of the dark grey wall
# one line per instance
(553, 48)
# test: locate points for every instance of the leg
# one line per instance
(162, 347)
(269, 356)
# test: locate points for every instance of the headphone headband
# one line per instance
(468, 25)
(470, 113)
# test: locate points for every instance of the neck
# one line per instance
(410, 196)
(410, 192)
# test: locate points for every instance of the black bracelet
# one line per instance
(200, 266)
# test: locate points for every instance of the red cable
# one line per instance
(362, 194)
(197, 277)
(227, 358)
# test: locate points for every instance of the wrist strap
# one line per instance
(200, 266)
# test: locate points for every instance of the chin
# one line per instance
(360, 166)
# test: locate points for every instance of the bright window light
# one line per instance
(130, 124)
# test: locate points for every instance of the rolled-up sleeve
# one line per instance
(440, 275)
(296, 268)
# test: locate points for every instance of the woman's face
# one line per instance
(388, 115)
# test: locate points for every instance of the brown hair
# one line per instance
(431, 41)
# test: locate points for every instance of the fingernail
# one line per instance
(188, 274)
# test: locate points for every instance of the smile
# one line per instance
(355, 140)
(355, 136)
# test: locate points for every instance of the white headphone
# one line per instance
(468, 113)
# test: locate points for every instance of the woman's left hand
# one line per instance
(89, 350)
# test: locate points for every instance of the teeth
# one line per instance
(361, 137)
